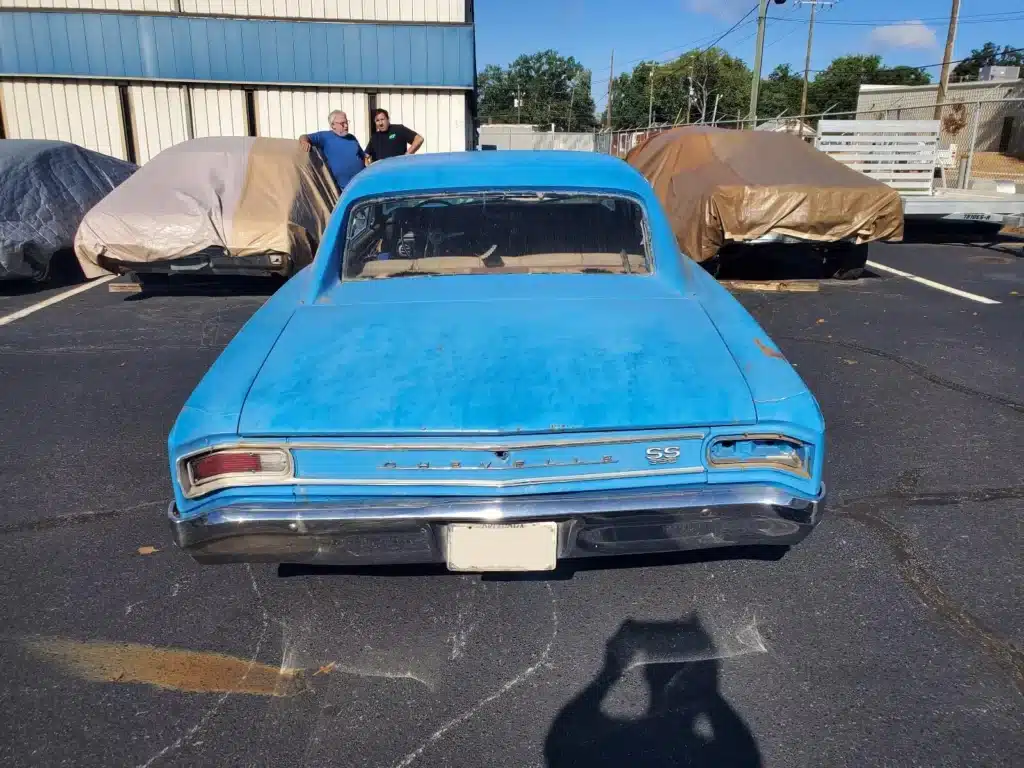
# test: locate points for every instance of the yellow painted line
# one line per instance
(933, 284)
(8, 319)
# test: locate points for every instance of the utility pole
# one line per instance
(714, 115)
(940, 96)
(572, 94)
(689, 93)
(519, 104)
(650, 101)
(755, 83)
(807, 60)
(611, 76)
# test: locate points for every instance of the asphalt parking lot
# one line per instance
(893, 636)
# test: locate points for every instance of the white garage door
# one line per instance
(158, 118)
(439, 117)
(287, 114)
(87, 114)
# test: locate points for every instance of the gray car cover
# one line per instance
(46, 188)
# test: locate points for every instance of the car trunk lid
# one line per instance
(496, 368)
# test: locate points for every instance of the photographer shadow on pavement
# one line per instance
(687, 722)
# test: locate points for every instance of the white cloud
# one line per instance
(911, 34)
(727, 10)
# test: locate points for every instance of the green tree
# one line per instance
(901, 75)
(780, 93)
(988, 55)
(552, 89)
(693, 81)
(835, 89)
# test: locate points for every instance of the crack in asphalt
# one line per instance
(75, 518)
(866, 510)
(918, 369)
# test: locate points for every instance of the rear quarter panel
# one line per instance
(212, 411)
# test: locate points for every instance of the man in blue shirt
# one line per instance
(345, 158)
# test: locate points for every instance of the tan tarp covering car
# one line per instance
(237, 196)
(720, 185)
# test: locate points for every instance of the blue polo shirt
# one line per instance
(343, 154)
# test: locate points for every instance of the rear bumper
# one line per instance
(413, 530)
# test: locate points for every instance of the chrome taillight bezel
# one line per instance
(192, 488)
(800, 468)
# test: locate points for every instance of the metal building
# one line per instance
(132, 77)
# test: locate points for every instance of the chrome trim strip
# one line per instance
(489, 447)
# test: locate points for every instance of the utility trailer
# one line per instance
(905, 154)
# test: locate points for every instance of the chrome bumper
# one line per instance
(411, 530)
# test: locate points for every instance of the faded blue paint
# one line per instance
(501, 354)
(189, 48)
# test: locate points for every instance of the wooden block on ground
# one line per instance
(116, 287)
(789, 286)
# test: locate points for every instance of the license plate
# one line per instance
(502, 547)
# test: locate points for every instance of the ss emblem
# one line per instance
(667, 455)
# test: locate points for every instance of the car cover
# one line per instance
(46, 187)
(234, 196)
(719, 185)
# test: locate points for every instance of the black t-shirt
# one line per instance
(390, 143)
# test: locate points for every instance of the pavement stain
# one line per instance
(168, 668)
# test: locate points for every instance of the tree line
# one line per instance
(545, 88)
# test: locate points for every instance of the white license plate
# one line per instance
(502, 547)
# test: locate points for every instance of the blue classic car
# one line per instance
(497, 360)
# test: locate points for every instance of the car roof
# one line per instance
(498, 169)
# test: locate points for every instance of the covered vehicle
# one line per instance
(722, 187)
(221, 205)
(46, 187)
(497, 360)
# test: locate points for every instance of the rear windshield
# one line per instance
(496, 233)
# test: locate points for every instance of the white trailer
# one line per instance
(905, 154)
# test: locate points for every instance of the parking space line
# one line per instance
(8, 319)
(933, 284)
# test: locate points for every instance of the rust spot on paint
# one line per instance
(170, 668)
(768, 350)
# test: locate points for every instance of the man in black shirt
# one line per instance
(390, 139)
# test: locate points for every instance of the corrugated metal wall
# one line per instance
(218, 112)
(231, 50)
(110, 5)
(362, 10)
(290, 113)
(159, 118)
(440, 118)
(88, 114)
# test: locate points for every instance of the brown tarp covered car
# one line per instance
(251, 204)
(720, 186)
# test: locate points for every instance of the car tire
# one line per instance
(845, 261)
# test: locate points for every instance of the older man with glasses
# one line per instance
(345, 158)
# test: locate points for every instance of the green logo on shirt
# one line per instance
(391, 135)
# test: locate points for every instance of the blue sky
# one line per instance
(660, 29)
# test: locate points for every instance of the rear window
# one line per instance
(496, 233)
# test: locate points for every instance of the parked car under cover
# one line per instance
(46, 187)
(497, 360)
(222, 205)
(727, 188)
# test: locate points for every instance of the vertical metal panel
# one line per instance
(218, 112)
(356, 10)
(109, 5)
(439, 117)
(87, 114)
(188, 48)
(159, 118)
(289, 113)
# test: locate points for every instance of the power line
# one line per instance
(977, 19)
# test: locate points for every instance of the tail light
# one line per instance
(760, 451)
(224, 468)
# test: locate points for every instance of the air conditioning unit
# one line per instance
(990, 72)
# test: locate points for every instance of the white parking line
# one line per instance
(933, 284)
(8, 319)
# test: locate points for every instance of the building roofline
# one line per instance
(874, 88)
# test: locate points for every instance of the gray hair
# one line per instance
(330, 117)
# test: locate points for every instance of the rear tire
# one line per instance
(845, 261)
